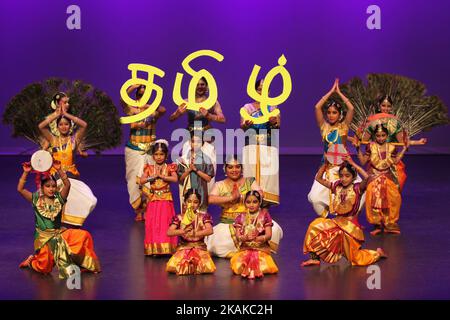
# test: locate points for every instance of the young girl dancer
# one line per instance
(383, 192)
(192, 226)
(160, 210)
(334, 126)
(54, 244)
(253, 230)
(331, 239)
(81, 201)
(195, 170)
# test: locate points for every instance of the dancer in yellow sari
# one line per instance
(191, 226)
(331, 239)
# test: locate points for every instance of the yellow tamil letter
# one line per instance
(149, 87)
(196, 76)
(264, 98)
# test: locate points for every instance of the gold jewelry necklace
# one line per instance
(47, 210)
(60, 149)
(250, 221)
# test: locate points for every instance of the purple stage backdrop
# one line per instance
(321, 40)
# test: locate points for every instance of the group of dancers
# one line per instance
(246, 234)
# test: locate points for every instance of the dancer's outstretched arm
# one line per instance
(23, 179)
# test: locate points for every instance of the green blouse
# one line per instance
(47, 217)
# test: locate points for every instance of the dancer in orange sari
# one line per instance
(81, 201)
(54, 244)
(192, 226)
(331, 239)
(383, 192)
(397, 133)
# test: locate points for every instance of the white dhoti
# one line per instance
(320, 196)
(80, 203)
(134, 163)
(224, 244)
(261, 162)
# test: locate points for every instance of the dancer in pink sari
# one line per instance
(160, 210)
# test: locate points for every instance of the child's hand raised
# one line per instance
(57, 165)
(26, 166)
(348, 158)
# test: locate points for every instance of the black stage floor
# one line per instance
(417, 267)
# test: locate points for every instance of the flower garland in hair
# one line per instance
(49, 211)
(163, 141)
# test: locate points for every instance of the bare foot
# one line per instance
(310, 262)
(382, 253)
(139, 217)
(26, 263)
(392, 231)
(375, 232)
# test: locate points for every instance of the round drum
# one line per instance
(336, 153)
(41, 161)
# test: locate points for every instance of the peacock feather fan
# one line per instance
(33, 104)
(416, 111)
